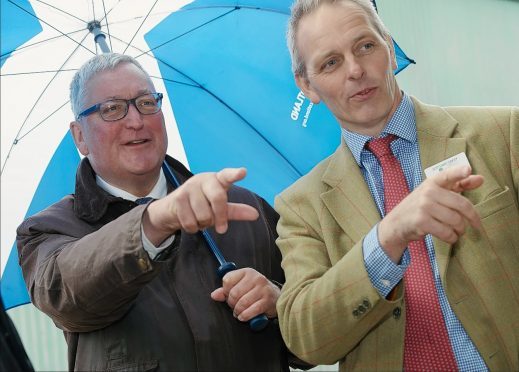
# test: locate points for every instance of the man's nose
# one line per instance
(133, 118)
(355, 70)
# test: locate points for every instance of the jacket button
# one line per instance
(366, 303)
(362, 309)
(355, 313)
(397, 312)
(143, 265)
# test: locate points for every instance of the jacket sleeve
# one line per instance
(319, 305)
(84, 279)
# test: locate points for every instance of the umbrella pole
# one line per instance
(259, 322)
(99, 37)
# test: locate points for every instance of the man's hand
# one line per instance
(248, 293)
(435, 207)
(198, 203)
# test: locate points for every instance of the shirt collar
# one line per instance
(159, 191)
(401, 124)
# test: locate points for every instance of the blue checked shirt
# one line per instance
(383, 272)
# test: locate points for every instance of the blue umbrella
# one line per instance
(226, 69)
(224, 65)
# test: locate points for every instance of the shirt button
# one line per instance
(397, 312)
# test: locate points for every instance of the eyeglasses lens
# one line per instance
(118, 108)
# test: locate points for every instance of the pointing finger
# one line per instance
(236, 212)
(241, 212)
(450, 177)
(228, 176)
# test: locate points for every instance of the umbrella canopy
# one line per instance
(226, 69)
(224, 65)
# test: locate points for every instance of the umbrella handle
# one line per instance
(259, 322)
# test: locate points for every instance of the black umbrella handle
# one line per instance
(259, 322)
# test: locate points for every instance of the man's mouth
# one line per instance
(365, 93)
(137, 142)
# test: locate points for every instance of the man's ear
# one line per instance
(304, 84)
(392, 53)
(79, 139)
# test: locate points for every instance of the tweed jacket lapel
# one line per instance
(349, 199)
(435, 129)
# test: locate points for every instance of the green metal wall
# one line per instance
(467, 53)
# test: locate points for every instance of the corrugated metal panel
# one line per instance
(43, 341)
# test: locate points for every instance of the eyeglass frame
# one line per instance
(95, 108)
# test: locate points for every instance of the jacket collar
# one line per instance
(349, 199)
(91, 202)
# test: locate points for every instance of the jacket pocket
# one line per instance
(503, 199)
(118, 365)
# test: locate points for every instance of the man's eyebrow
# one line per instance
(363, 35)
(139, 93)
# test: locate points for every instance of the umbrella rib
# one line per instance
(38, 72)
(36, 43)
(176, 81)
(238, 7)
(107, 27)
(137, 31)
(41, 122)
(61, 10)
(246, 122)
(93, 10)
(198, 85)
(187, 32)
(48, 24)
(33, 107)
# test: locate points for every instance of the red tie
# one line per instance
(427, 345)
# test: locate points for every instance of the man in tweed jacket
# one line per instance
(345, 258)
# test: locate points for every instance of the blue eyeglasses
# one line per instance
(116, 109)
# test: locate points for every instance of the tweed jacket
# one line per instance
(85, 266)
(329, 310)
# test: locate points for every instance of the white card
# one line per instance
(459, 159)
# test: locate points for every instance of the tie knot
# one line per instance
(381, 146)
(143, 200)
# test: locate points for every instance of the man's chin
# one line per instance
(143, 171)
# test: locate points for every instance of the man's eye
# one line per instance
(330, 64)
(367, 47)
(111, 107)
(147, 102)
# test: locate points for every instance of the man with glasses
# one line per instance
(119, 266)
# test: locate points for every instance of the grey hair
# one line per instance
(95, 65)
(300, 8)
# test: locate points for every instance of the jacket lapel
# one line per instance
(349, 199)
(435, 129)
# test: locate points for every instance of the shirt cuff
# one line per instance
(150, 248)
(383, 273)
